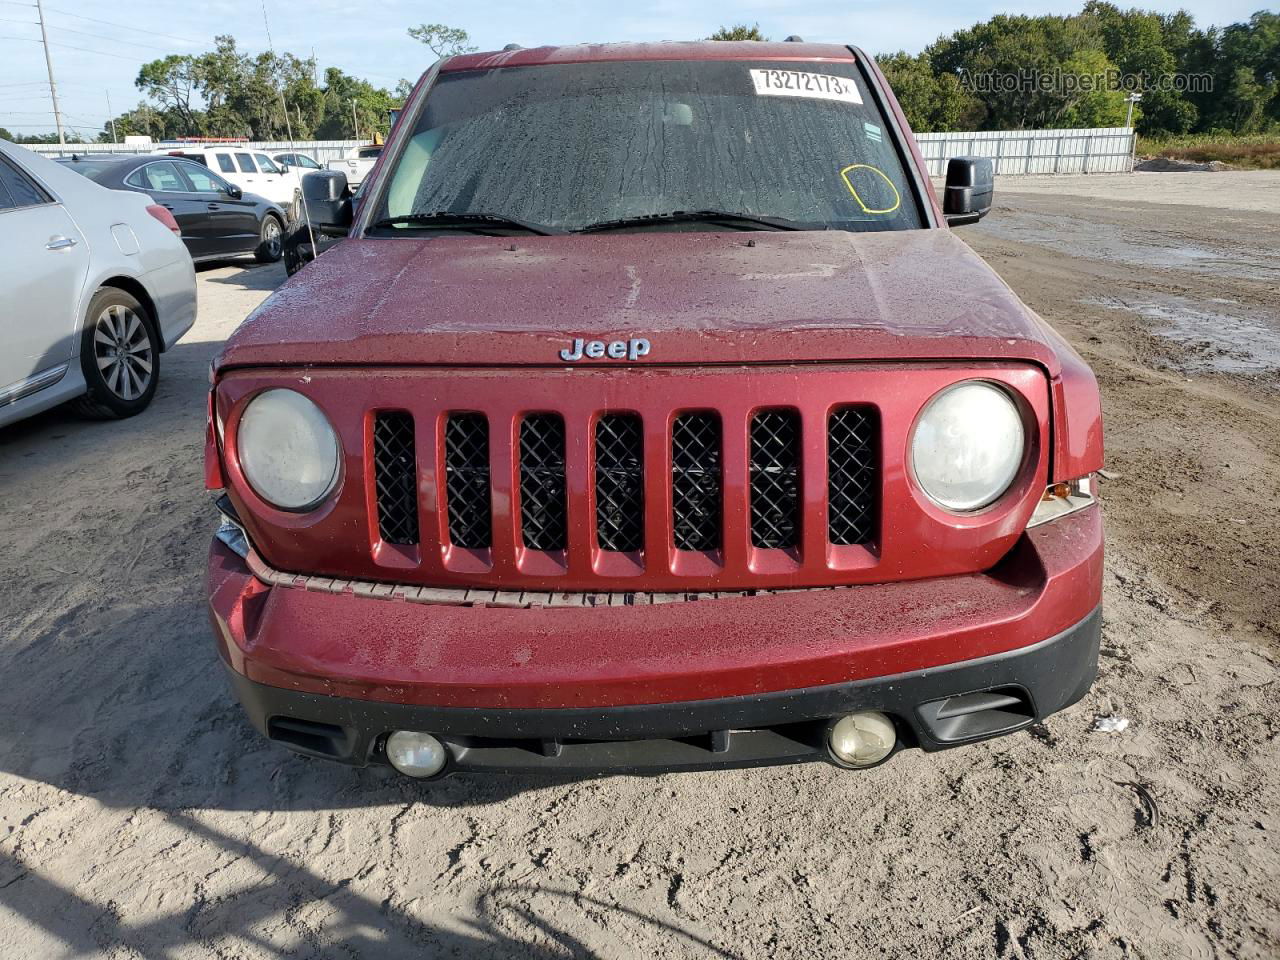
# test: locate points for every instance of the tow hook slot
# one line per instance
(312, 737)
(984, 713)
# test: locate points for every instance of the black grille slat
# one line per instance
(696, 481)
(620, 482)
(851, 476)
(775, 475)
(466, 469)
(395, 472)
(543, 514)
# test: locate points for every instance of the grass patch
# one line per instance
(1253, 152)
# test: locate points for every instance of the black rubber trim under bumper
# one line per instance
(933, 709)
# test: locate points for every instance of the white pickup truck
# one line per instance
(357, 164)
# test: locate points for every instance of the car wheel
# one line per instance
(120, 357)
(295, 212)
(270, 240)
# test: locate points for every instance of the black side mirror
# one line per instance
(328, 201)
(234, 192)
(970, 184)
(329, 213)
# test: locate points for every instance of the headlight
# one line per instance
(288, 451)
(968, 445)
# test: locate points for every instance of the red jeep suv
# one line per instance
(650, 416)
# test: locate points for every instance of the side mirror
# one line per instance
(234, 192)
(328, 201)
(970, 184)
(284, 167)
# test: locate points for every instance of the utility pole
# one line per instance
(1131, 99)
(53, 87)
(355, 124)
(111, 115)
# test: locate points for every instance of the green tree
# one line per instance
(931, 101)
(1092, 103)
(1254, 101)
(443, 41)
(1138, 43)
(739, 31)
(340, 94)
(173, 82)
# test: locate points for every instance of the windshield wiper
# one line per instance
(444, 220)
(742, 220)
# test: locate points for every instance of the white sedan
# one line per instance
(97, 284)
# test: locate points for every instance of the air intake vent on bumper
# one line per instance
(542, 482)
(695, 481)
(395, 477)
(851, 476)
(466, 467)
(620, 482)
(775, 470)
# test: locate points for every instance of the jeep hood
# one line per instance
(742, 297)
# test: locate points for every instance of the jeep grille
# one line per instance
(695, 481)
(466, 467)
(395, 466)
(543, 514)
(620, 482)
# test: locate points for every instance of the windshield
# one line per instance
(572, 145)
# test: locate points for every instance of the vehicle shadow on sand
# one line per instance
(518, 919)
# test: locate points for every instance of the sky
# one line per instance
(98, 47)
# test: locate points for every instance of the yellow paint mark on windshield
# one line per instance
(897, 197)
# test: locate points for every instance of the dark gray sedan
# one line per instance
(216, 218)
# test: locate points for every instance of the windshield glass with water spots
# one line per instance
(574, 145)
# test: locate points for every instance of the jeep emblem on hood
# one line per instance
(632, 349)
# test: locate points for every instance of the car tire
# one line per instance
(119, 355)
(270, 240)
(295, 211)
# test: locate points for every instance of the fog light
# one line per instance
(862, 739)
(416, 754)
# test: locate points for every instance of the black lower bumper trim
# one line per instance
(933, 709)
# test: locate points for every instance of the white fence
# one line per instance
(1016, 152)
(322, 150)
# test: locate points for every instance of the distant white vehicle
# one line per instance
(357, 164)
(304, 162)
(97, 285)
(251, 170)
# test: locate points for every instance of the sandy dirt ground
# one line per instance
(141, 817)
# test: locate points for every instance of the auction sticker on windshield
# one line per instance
(798, 83)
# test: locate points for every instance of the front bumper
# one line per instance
(736, 680)
(932, 709)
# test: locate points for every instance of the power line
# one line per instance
(98, 36)
(126, 26)
(68, 46)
